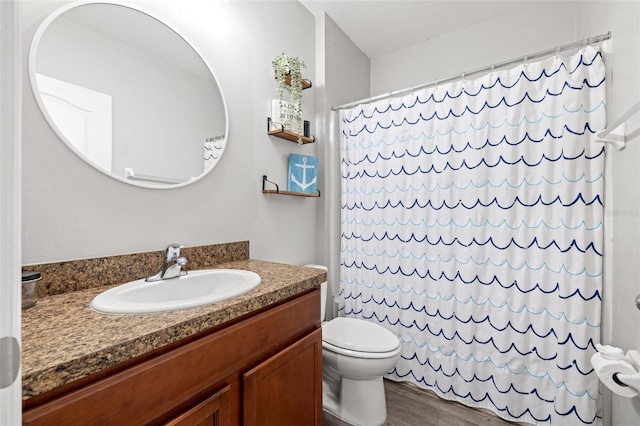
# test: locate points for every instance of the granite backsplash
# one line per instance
(74, 275)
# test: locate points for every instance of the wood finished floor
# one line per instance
(408, 405)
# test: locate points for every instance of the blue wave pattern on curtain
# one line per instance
(472, 228)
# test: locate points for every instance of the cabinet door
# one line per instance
(207, 413)
(286, 389)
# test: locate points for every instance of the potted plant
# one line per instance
(289, 77)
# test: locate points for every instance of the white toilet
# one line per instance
(355, 355)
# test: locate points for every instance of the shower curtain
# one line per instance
(472, 228)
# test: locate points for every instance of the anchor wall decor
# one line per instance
(303, 173)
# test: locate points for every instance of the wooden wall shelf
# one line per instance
(297, 194)
(281, 133)
(305, 83)
(277, 190)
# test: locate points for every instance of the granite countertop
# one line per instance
(64, 340)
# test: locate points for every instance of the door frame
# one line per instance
(10, 212)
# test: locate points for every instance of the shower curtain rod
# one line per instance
(525, 58)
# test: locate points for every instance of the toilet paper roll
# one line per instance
(607, 368)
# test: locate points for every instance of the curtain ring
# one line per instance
(524, 61)
(557, 51)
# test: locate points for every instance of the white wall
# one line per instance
(72, 211)
(622, 201)
(534, 27)
(343, 75)
(531, 28)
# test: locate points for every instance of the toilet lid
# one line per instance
(359, 335)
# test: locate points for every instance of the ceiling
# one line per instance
(382, 26)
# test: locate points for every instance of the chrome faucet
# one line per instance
(172, 264)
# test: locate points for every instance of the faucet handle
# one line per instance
(173, 251)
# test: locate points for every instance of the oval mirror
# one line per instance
(128, 95)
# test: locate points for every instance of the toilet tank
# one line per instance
(323, 292)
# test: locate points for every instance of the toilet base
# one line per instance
(359, 402)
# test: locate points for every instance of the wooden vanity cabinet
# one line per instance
(262, 370)
(207, 413)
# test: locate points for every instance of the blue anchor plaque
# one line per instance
(303, 174)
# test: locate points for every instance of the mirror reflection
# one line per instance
(128, 95)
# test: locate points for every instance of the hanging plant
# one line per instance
(289, 77)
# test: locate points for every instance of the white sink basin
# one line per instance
(197, 288)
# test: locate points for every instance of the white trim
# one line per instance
(334, 210)
(10, 193)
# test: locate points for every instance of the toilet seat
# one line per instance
(357, 354)
(358, 338)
